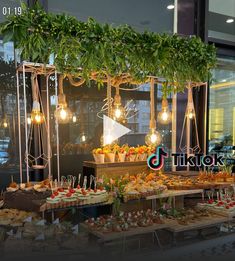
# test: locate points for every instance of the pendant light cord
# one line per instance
(152, 106)
(61, 80)
(109, 95)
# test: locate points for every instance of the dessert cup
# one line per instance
(110, 157)
(99, 158)
(121, 157)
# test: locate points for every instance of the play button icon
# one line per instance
(112, 130)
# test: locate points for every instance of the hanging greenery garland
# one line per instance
(90, 50)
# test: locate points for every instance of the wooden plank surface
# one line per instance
(104, 237)
(175, 193)
(204, 222)
(221, 212)
(115, 169)
(93, 164)
(44, 208)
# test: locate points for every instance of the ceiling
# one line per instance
(150, 15)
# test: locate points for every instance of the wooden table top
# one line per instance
(93, 164)
(104, 237)
(175, 193)
(201, 223)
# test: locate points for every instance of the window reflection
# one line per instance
(221, 20)
(222, 106)
(77, 139)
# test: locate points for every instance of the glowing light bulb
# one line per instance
(36, 117)
(191, 114)
(29, 120)
(170, 7)
(5, 125)
(118, 113)
(74, 119)
(229, 21)
(83, 138)
(63, 114)
(153, 138)
(164, 116)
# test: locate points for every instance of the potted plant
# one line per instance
(98, 155)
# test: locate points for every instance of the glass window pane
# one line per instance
(222, 106)
(78, 138)
(142, 15)
(221, 24)
(8, 7)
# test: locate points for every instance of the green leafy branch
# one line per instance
(101, 49)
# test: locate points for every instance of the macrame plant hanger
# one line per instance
(41, 158)
(189, 120)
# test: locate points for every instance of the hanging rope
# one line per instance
(109, 95)
(73, 82)
(190, 106)
(152, 123)
(44, 154)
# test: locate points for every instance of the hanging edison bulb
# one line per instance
(29, 120)
(118, 111)
(37, 117)
(37, 127)
(190, 113)
(153, 138)
(4, 122)
(62, 113)
(74, 119)
(83, 138)
(165, 115)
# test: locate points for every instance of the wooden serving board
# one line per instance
(215, 185)
(105, 237)
(175, 193)
(115, 169)
(221, 212)
(204, 222)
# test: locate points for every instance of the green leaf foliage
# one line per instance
(108, 50)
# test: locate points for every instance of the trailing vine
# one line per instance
(90, 50)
